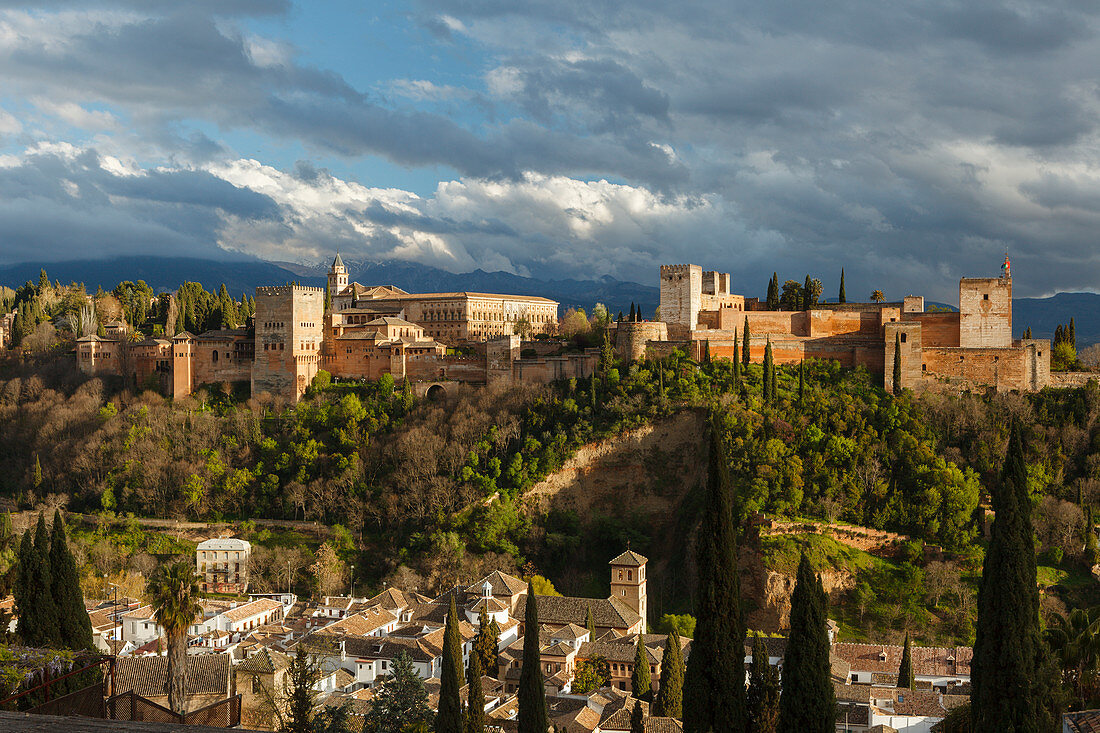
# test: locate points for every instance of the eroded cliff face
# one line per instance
(768, 592)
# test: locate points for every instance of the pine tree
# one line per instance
(590, 623)
(301, 676)
(897, 363)
(762, 698)
(769, 380)
(637, 718)
(532, 694)
(807, 703)
(745, 345)
(401, 701)
(714, 681)
(773, 292)
(475, 699)
(670, 695)
(641, 682)
(1010, 672)
(76, 626)
(843, 298)
(905, 671)
(449, 717)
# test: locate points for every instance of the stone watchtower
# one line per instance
(628, 582)
(681, 298)
(337, 277)
(288, 339)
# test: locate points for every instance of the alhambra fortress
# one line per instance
(368, 331)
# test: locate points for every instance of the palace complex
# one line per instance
(362, 332)
(353, 332)
(969, 348)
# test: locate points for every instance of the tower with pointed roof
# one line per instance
(628, 581)
(337, 277)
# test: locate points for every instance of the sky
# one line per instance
(910, 143)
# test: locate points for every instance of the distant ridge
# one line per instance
(240, 276)
(167, 273)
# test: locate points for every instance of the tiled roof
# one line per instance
(207, 674)
(224, 543)
(265, 661)
(776, 646)
(391, 599)
(917, 703)
(852, 693)
(630, 559)
(503, 584)
(561, 610)
(570, 632)
(1084, 721)
(616, 717)
(927, 661)
(252, 608)
(361, 623)
(491, 605)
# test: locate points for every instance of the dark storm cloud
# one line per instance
(66, 205)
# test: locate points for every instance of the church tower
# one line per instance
(628, 582)
(337, 278)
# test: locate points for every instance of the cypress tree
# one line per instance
(590, 623)
(670, 695)
(620, 316)
(631, 311)
(775, 388)
(905, 671)
(1072, 335)
(736, 362)
(485, 645)
(592, 393)
(773, 292)
(706, 351)
(1058, 336)
(532, 694)
(807, 294)
(641, 683)
(36, 476)
(39, 619)
(76, 626)
(449, 717)
(637, 718)
(302, 676)
(1092, 548)
(745, 344)
(762, 698)
(475, 699)
(807, 703)
(769, 378)
(1010, 672)
(897, 363)
(714, 682)
(843, 298)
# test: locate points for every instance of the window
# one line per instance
(985, 296)
(630, 575)
(903, 337)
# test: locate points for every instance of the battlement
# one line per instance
(671, 270)
(286, 289)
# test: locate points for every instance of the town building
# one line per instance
(969, 348)
(222, 563)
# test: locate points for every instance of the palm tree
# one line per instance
(1075, 641)
(877, 297)
(175, 591)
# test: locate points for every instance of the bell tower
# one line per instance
(628, 581)
(337, 278)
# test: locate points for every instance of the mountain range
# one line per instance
(243, 275)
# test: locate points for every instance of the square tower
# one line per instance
(985, 312)
(628, 581)
(681, 298)
(289, 327)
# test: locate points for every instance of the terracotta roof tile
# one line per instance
(207, 674)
